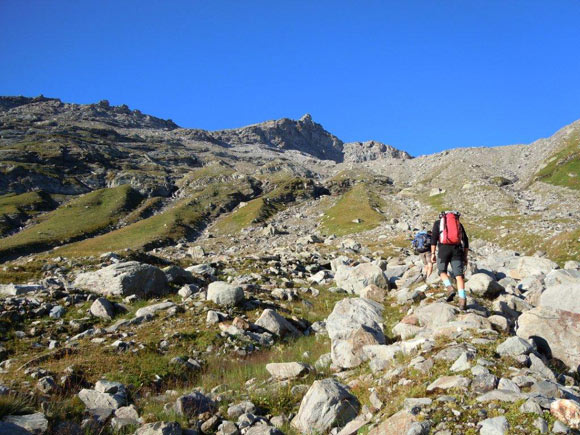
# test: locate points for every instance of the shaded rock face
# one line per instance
(353, 324)
(555, 332)
(327, 404)
(124, 279)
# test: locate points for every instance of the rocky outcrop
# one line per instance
(358, 152)
(124, 279)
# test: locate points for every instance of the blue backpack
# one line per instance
(422, 242)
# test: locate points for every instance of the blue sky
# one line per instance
(420, 75)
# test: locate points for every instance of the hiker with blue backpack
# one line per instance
(422, 245)
(449, 236)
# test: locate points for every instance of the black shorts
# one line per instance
(453, 254)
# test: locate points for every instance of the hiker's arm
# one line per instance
(465, 244)
(434, 239)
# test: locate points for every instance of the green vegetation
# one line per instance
(81, 217)
(358, 203)
(563, 168)
(18, 208)
(145, 210)
(259, 210)
(14, 405)
(180, 221)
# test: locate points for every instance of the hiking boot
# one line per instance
(462, 304)
(450, 293)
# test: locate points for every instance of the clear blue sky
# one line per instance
(420, 75)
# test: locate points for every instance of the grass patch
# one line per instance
(15, 209)
(12, 404)
(563, 168)
(182, 220)
(81, 217)
(358, 203)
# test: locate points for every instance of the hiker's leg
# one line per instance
(429, 268)
(457, 265)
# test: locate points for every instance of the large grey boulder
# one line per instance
(555, 332)
(19, 289)
(528, 266)
(327, 404)
(481, 284)
(12, 429)
(124, 279)
(562, 291)
(273, 322)
(224, 294)
(353, 324)
(354, 279)
(34, 423)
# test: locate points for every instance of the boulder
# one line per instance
(562, 291)
(555, 332)
(178, 275)
(374, 293)
(437, 314)
(19, 289)
(403, 422)
(354, 279)
(494, 426)
(290, 370)
(194, 404)
(34, 423)
(327, 404)
(222, 293)
(101, 400)
(124, 279)
(103, 309)
(528, 266)
(12, 429)
(567, 411)
(353, 324)
(514, 346)
(152, 309)
(160, 428)
(273, 322)
(481, 284)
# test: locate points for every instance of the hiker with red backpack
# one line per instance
(449, 236)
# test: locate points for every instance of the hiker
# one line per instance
(449, 235)
(422, 246)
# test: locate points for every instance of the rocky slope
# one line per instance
(162, 280)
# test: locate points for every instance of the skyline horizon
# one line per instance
(295, 119)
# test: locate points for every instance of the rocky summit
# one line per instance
(156, 279)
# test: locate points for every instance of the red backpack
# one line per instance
(450, 228)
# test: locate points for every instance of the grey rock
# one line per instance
(153, 309)
(482, 285)
(530, 406)
(19, 289)
(541, 425)
(500, 395)
(484, 382)
(494, 426)
(234, 411)
(102, 308)
(327, 404)
(354, 279)
(449, 382)
(273, 322)
(224, 294)
(556, 333)
(34, 423)
(57, 312)
(124, 279)
(507, 384)
(514, 346)
(99, 400)
(289, 370)
(353, 324)
(194, 404)
(160, 428)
